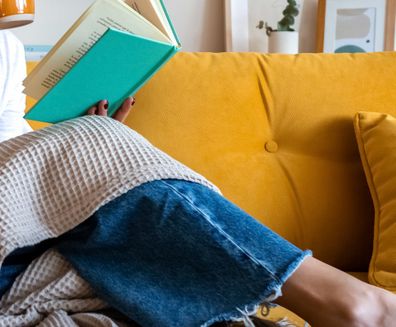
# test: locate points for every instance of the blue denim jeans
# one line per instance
(175, 253)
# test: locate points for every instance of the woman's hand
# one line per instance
(122, 112)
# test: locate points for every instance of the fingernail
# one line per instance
(133, 101)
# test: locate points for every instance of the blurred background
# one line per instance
(199, 23)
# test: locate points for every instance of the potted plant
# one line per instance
(284, 39)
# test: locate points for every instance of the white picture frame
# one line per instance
(372, 32)
(242, 17)
(237, 25)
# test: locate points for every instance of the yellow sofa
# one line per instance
(275, 133)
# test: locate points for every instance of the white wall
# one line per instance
(199, 23)
(52, 19)
(308, 26)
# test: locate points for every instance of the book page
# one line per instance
(158, 4)
(98, 10)
(152, 11)
(81, 37)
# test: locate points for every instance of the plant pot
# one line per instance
(283, 42)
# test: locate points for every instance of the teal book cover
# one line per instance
(116, 67)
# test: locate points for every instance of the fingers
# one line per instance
(122, 112)
(100, 109)
(92, 110)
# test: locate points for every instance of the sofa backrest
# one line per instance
(275, 133)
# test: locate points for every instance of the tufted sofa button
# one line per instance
(271, 146)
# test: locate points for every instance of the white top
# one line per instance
(12, 100)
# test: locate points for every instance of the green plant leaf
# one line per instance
(285, 24)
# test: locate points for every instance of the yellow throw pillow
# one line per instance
(376, 137)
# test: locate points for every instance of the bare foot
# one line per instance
(378, 308)
(122, 112)
(327, 297)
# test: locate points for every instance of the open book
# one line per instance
(108, 53)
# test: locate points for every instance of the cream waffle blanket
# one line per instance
(52, 180)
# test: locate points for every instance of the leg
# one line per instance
(174, 253)
(328, 297)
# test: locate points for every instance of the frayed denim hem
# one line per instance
(274, 290)
(176, 254)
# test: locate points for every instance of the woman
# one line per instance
(12, 100)
(176, 232)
